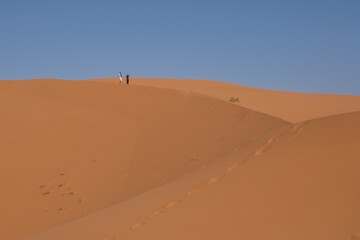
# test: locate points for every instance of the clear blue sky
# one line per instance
(296, 45)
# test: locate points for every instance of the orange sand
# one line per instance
(173, 159)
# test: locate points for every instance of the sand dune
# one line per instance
(290, 106)
(171, 159)
(84, 146)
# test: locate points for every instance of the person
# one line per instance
(120, 77)
(127, 79)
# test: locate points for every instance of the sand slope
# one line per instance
(71, 148)
(301, 184)
(173, 159)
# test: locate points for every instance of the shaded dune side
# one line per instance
(72, 148)
(300, 184)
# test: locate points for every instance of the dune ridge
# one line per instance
(289, 106)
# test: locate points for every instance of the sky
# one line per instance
(290, 45)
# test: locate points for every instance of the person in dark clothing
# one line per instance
(127, 79)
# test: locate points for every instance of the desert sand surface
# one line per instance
(160, 160)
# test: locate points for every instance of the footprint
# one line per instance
(46, 193)
(154, 214)
(215, 179)
(137, 226)
(195, 191)
(229, 169)
(266, 147)
(297, 128)
(258, 152)
(171, 204)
